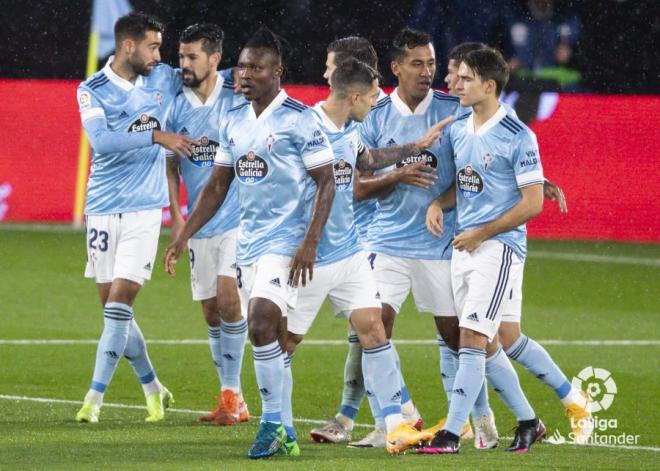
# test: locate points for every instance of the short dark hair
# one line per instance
(135, 26)
(352, 72)
(264, 38)
(489, 64)
(354, 46)
(408, 39)
(209, 34)
(458, 53)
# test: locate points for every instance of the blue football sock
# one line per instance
(232, 338)
(407, 406)
(215, 345)
(448, 367)
(287, 393)
(481, 405)
(137, 355)
(353, 392)
(117, 322)
(269, 370)
(537, 361)
(382, 379)
(504, 380)
(469, 379)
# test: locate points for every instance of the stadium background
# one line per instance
(589, 303)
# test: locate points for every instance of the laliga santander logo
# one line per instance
(599, 385)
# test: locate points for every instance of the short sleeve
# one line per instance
(526, 160)
(313, 144)
(89, 105)
(223, 155)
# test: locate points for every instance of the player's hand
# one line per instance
(177, 143)
(553, 193)
(433, 134)
(172, 254)
(302, 263)
(434, 219)
(418, 174)
(469, 240)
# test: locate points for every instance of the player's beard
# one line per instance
(191, 80)
(139, 66)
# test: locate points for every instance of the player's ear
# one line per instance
(128, 46)
(216, 57)
(279, 70)
(394, 65)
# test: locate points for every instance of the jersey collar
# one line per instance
(403, 108)
(492, 121)
(212, 98)
(277, 101)
(119, 81)
(327, 122)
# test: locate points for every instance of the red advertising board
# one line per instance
(602, 150)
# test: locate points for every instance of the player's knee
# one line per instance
(229, 309)
(210, 312)
(473, 339)
(261, 331)
(388, 315)
(448, 329)
(508, 333)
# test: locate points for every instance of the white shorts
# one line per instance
(210, 258)
(481, 281)
(267, 278)
(122, 245)
(348, 284)
(430, 281)
(512, 303)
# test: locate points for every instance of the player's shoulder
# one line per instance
(95, 82)
(442, 97)
(294, 105)
(238, 108)
(382, 104)
(512, 126)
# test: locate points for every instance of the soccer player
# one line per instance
(343, 273)
(532, 356)
(405, 257)
(198, 111)
(274, 148)
(339, 429)
(123, 109)
(499, 187)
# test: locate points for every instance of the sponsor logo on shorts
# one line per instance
(469, 182)
(147, 266)
(343, 175)
(144, 123)
(276, 282)
(204, 154)
(251, 168)
(473, 317)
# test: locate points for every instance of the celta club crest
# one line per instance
(269, 142)
(488, 158)
(159, 98)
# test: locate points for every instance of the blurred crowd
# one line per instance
(607, 46)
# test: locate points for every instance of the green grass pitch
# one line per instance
(44, 296)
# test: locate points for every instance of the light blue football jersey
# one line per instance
(128, 170)
(270, 155)
(398, 227)
(491, 166)
(365, 210)
(339, 239)
(201, 121)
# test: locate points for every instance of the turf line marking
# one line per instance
(46, 400)
(578, 257)
(312, 342)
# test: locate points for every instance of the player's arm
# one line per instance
(434, 213)
(105, 141)
(529, 206)
(210, 200)
(375, 159)
(173, 183)
(526, 165)
(372, 186)
(303, 260)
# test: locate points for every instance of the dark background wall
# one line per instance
(618, 49)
